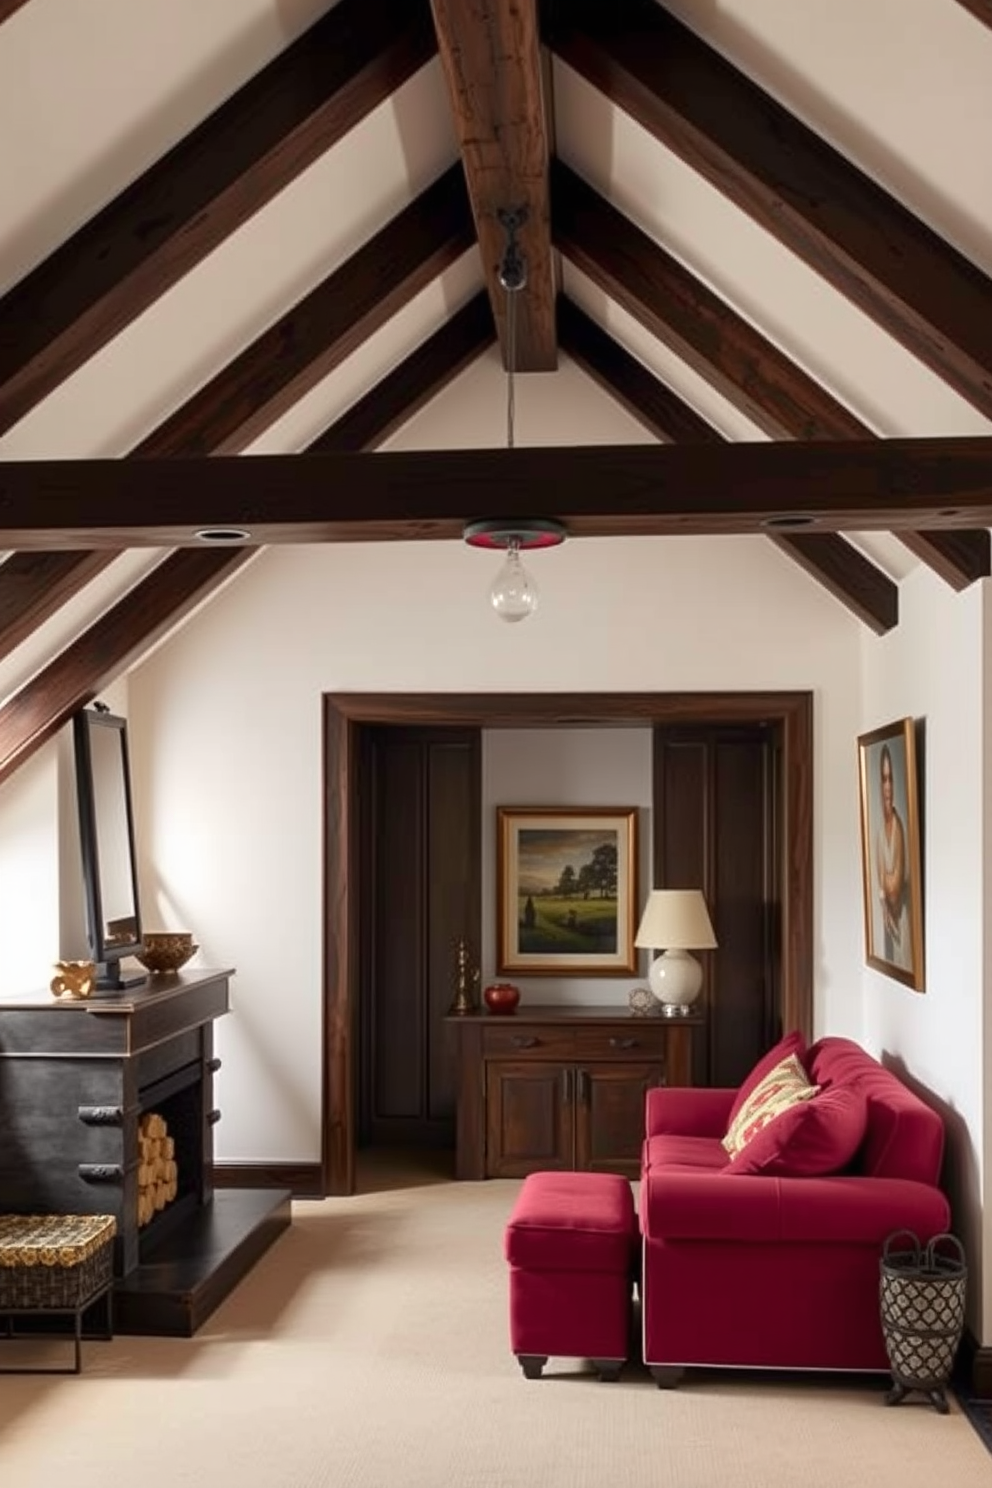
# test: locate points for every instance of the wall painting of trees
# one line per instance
(567, 890)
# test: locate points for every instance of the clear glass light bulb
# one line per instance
(514, 593)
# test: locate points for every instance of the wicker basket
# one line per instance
(922, 1292)
(54, 1262)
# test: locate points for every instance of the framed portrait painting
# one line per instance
(566, 890)
(891, 858)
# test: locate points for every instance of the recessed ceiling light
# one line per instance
(223, 534)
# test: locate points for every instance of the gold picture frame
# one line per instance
(566, 890)
(891, 857)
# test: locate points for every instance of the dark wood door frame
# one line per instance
(345, 715)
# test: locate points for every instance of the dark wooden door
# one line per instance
(419, 796)
(530, 1117)
(609, 1129)
(717, 798)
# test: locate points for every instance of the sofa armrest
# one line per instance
(846, 1209)
(687, 1111)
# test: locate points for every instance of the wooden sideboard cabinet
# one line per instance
(561, 1088)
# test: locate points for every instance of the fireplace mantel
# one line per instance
(75, 1080)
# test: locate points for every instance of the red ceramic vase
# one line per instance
(501, 997)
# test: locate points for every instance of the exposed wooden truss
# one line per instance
(981, 9)
(75, 677)
(305, 101)
(129, 254)
(491, 55)
(599, 491)
(724, 348)
(877, 253)
(244, 398)
(827, 557)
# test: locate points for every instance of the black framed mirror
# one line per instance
(106, 835)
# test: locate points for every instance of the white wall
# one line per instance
(933, 668)
(226, 745)
(565, 767)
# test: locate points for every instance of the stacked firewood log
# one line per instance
(157, 1173)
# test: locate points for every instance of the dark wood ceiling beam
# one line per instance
(747, 369)
(597, 491)
(846, 574)
(628, 380)
(676, 307)
(70, 681)
(207, 185)
(980, 9)
(411, 385)
(491, 56)
(247, 395)
(7, 7)
(73, 679)
(878, 254)
(323, 328)
(34, 585)
(826, 556)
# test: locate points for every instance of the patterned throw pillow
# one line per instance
(780, 1090)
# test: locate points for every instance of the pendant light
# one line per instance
(514, 593)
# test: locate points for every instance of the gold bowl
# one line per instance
(166, 950)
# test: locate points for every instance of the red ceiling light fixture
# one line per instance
(514, 593)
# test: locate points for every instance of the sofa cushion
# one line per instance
(811, 1138)
(678, 1151)
(781, 1088)
(791, 1043)
(904, 1137)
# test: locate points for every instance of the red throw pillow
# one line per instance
(791, 1043)
(809, 1139)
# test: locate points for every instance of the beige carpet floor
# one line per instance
(369, 1348)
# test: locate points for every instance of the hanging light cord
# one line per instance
(511, 361)
(513, 278)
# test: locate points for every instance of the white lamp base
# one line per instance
(675, 979)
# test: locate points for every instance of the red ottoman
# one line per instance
(572, 1243)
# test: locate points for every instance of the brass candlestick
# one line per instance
(466, 979)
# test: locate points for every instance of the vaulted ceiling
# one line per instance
(272, 227)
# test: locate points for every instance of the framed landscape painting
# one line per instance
(890, 853)
(566, 890)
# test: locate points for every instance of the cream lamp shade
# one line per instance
(675, 921)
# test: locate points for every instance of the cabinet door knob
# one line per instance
(623, 1043)
(524, 1041)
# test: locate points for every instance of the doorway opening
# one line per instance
(349, 722)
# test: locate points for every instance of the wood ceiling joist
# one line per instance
(491, 56)
(34, 585)
(725, 349)
(94, 659)
(244, 398)
(597, 491)
(7, 8)
(826, 556)
(411, 385)
(980, 9)
(164, 597)
(207, 185)
(877, 253)
(323, 328)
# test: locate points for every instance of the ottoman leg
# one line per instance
(532, 1364)
(609, 1369)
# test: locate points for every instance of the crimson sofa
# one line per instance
(773, 1261)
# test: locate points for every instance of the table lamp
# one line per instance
(675, 921)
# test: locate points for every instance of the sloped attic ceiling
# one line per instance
(255, 227)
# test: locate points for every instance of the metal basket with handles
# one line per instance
(922, 1295)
